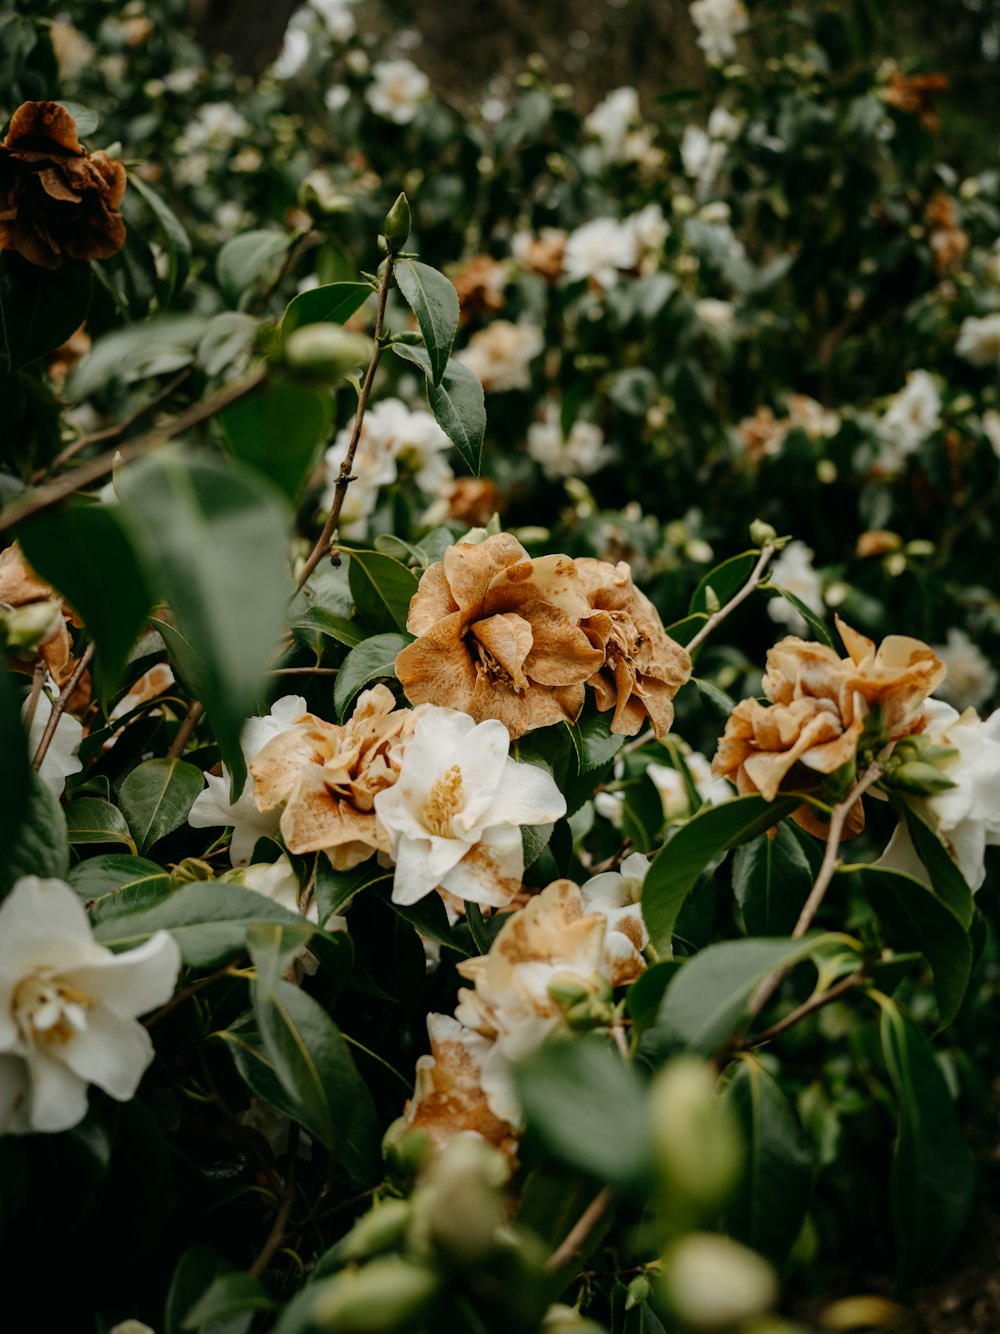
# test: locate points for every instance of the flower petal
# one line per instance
(135, 982)
(58, 1096)
(42, 922)
(527, 794)
(112, 1053)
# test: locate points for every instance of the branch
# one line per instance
(277, 1234)
(579, 1234)
(756, 574)
(810, 1006)
(345, 478)
(94, 469)
(191, 720)
(59, 707)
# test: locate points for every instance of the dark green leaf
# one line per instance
(677, 866)
(335, 889)
(226, 1296)
(593, 740)
(115, 884)
(458, 404)
(320, 621)
(382, 589)
(156, 797)
(334, 303)
(767, 1208)
(15, 770)
(642, 813)
(196, 1271)
(684, 630)
(137, 351)
(932, 1174)
(725, 580)
(41, 845)
(244, 260)
(646, 992)
(372, 660)
(717, 700)
(91, 820)
(175, 241)
(771, 880)
(946, 879)
(434, 302)
(429, 917)
(814, 622)
(40, 308)
(280, 429)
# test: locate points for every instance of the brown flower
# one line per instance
(474, 501)
(947, 239)
(480, 284)
(819, 705)
(328, 777)
(915, 94)
(643, 667)
(20, 586)
(56, 199)
(500, 636)
(542, 254)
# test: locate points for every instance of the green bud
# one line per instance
(713, 1283)
(26, 628)
(637, 1292)
(696, 1139)
(458, 1208)
(318, 354)
(405, 1150)
(408, 337)
(919, 778)
(381, 1229)
(387, 1294)
(762, 534)
(396, 228)
(569, 990)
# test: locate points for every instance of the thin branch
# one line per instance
(59, 707)
(94, 469)
(38, 678)
(191, 720)
(580, 1233)
(277, 1234)
(303, 671)
(306, 242)
(345, 477)
(810, 1006)
(186, 993)
(717, 617)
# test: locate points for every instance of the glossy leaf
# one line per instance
(280, 430)
(335, 889)
(244, 260)
(815, 624)
(41, 845)
(137, 351)
(676, 867)
(372, 660)
(156, 797)
(40, 308)
(114, 884)
(334, 303)
(771, 880)
(176, 244)
(15, 771)
(723, 581)
(217, 543)
(932, 1175)
(434, 302)
(91, 820)
(594, 742)
(319, 621)
(946, 879)
(226, 1297)
(382, 588)
(458, 404)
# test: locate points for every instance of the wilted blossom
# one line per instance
(979, 340)
(793, 569)
(541, 253)
(819, 704)
(480, 283)
(617, 895)
(967, 816)
(582, 452)
(500, 355)
(913, 415)
(68, 1008)
(20, 586)
(213, 806)
(453, 816)
(397, 90)
(719, 23)
(972, 679)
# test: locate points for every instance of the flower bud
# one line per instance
(762, 534)
(696, 1139)
(918, 778)
(637, 1292)
(26, 628)
(396, 228)
(458, 1206)
(713, 1283)
(386, 1294)
(380, 1230)
(406, 1150)
(321, 353)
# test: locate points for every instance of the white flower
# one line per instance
(337, 96)
(617, 895)
(68, 1008)
(794, 570)
(719, 23)
(500, 355)
(702, 157)
(396, 90)
(966, 816)
(611, 120)
(673, 791)
(578, 454)
(718, 315)
(991, 429)
(599, 250)
(650, 229)
(979, 340)
(913, 415)
(294, 49)
(61, 758)
(722, 124)
(215, 127)
(972, 679)
(213, 806)
(337, 17)
(454, 814)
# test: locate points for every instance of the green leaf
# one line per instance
(208, 919)
(92, 820)
(243, 260)
(310, 1058)
(382, 588)
(716, 698)
(814, 622)
(226, 1296)
(156, 797)
(914, 916)
(594, 742)
(946, 879)
(372, 660)
(642, 813)
(15, 770)
(932, 1179)
(646, 992)
(86, 119)
(430, 918)
(87, 553)
(137, 351)
(218, 541)
(677, 866)
(40, 308)
(115, 884)
(725, 580)
(176, 244)
(434, 302)
(684, 630)
(333, 303)
(458, 404)
(707, 1000)
(573, 1093)
(280, 429)
(771, 880)
(335, 889)
(767, 1208)
(327, 623)
(196, 1271)
(41, 845)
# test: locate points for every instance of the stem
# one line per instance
(186, 993)
(345, 478)
(59, 707)
(579, 1234)
(191, 720)
(477, 927)
(94, 469)
(717, 617)
(810, 1006)
(303, 671)
(38, 678)
(277, 1234)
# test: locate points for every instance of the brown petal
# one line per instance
(508, 639)
(561, 654)
(437, 667)
(431, 602)
(470, 567)
(551, 579)
(55, 186)
(39, 125)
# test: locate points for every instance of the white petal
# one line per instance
(526, 794)
(491, 872)
(901, 855)
(135, 982)
(482, 760)
(113, 1053)
(10, 1037)
(42, 922)
(420, 866)
(58, 1096)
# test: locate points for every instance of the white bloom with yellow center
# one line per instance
(68, 1008)
(454, 814)
(979, 340)
(396, 90)
(719, 23)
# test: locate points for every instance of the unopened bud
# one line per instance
(26, 628)
(637, 1292)
(387, 1294)
(918, 778)
(458, 1206)
(714, 1283)
(396, 228)
(406, 1150)
(696, 1138)
(321, 353)
(381, 1229)
(762, 534)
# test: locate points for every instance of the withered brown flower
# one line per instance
(20, 586)
(328, 777)
(57, 201)
(947, 239)
(819, 705)
(499, 636)
(643, 667)
(915, 94)
(480, 284)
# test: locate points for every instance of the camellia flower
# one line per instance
(617, 895)
(913, 415)
(480, 283)
(68, 1008)
(578, 454)
(20, 586)
(600, 250)
(62, 757)
(500, 355)
(611, 120)
(327, 778)
(819, 705)
(643, 668)
(719, 23)
(396, 90)
(57, 201)
(499, 636)
(979, 340)
(793, 569)
(541, 254)
(455, 811)
(972, 679)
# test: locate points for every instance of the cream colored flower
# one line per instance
(582, 452)
(499, 636)
(719, 23)
(972, 679)
(500, 355)
(62, 758)
(617, 896)
(397, 90)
